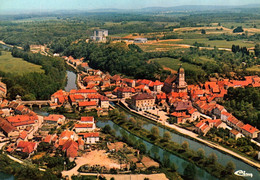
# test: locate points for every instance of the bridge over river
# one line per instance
(39, 103)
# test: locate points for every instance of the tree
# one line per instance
(185, 145)
(190, 171)
(155, 132)
(230, 167)
(107, 129)
(212, 159)
(203, 31)
(201, 153)
(257, 50)
(172, 120)
(173, 167)
(166, 160)
(238, 29)
(167, 136)
(26, 47)
(142, 148)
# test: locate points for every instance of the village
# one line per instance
(173, 103)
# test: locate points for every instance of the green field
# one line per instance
(217, 43)
(254, 68)
(175, 64)
(9, 64)
(153, 47)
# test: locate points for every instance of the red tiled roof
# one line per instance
(93, 134)
(53, 117)
(200, 123)
(125, 89)
(87, 119)
(170, 79)
(240, 124)
(93, 96)
(83, 125)
(249, 128)
(103, 98)
(6, 126)
(71, 148)
(204, 127)
(20, 120)
(84, 64)
(235, 132)
(47, 139)
(226, 113)
(157, 83)
(180, 114)
(23, 135)
(66, 133)
(142, 96)
(183, 105)
(116, 78)
(86, 91)
(87, 103)
(27, 147)
(128, 80)
(161, 96)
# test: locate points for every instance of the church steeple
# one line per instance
(180, 81)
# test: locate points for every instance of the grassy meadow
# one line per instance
(175, 64)
(10, 64)
(255, 68)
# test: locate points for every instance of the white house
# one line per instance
(84, 127)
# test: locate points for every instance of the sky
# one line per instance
(52, 5)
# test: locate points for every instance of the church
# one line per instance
(175, 83)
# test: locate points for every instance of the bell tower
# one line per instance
(180, 81)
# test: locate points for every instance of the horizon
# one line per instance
(29, 6)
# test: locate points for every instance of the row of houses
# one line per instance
(204, 97)
(82, 99)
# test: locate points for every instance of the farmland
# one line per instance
(18, 66)
(175, 64)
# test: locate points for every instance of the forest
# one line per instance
(244, 104)
(35, 85)
(115, 58)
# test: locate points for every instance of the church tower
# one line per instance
(181, 85)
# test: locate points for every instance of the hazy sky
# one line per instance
(97, 4)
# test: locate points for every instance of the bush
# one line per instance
(238, 29)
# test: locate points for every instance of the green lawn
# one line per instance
(9, 64)
(175, 64)
(217, 43)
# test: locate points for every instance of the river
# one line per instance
(181, 163)
(223, 158)
(4, 176)
(71, 81)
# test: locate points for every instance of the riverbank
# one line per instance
(171, 147)
(194, 136)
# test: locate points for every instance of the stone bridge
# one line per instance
(39, 103)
